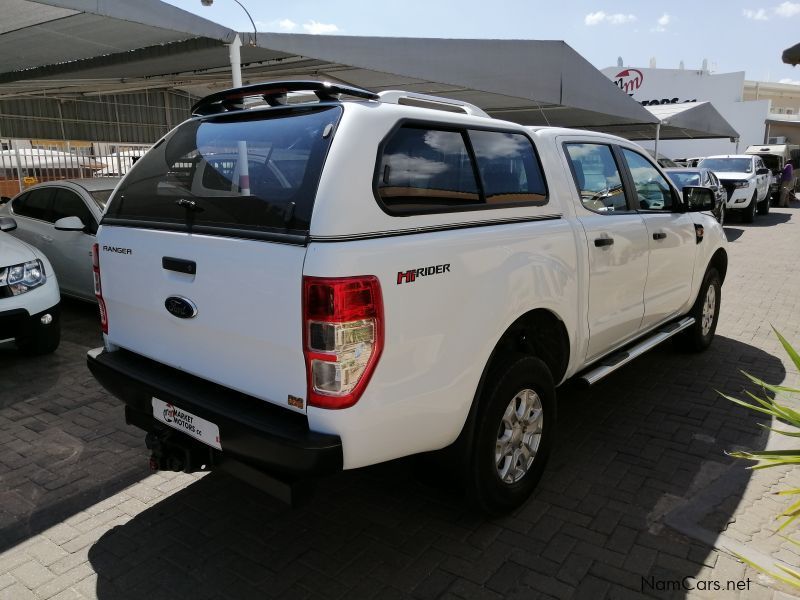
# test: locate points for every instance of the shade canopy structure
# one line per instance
(70, 50)
(38, 33)
(791, 56)
(685, 121)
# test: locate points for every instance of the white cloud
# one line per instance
(787, 9)
(279, 25)
(791, 81)
(596, 18)
(315, 28)
(663, 21)
(755, 15)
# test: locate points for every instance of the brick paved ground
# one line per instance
(639, 486)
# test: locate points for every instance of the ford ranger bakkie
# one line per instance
(306, 277)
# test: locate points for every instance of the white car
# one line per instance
(746, 179)
(29, 298)
(377, 275)
(60, 218)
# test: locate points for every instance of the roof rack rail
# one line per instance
(274, 93)
(427, 101)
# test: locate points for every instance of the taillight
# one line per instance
(98, 289)
(342, 337)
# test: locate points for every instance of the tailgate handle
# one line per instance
(179, 264)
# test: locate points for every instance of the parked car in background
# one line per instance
(60, 218)
(746, 180)
(662, 160)
(775, 157)
(29, 298)
(688, 162)
(682, 177)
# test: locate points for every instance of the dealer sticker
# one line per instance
(184, 421)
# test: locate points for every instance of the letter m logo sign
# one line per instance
(407, 276)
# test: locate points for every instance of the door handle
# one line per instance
(660, 235)
(600, 242)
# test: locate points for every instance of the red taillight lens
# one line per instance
(342, 337)
(98, 288)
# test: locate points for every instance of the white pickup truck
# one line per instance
(294, 288)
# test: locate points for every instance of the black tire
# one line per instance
(42, 339)
(694, 339)
(504, 385)
(749, 214)
(763, 207)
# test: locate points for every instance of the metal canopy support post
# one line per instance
(658, 135)
(234, 51)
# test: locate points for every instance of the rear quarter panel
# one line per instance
(441, 329)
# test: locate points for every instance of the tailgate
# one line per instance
(246, 334)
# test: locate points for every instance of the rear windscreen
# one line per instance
(254, 170)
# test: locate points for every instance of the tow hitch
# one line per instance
(171, 453)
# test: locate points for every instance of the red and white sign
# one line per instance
(629, 80)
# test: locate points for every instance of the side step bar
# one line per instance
(611, 363)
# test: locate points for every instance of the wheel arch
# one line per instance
(719, 261)
(539, 332)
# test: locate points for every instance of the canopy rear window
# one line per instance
(253, 170)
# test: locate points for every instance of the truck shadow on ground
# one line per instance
(634, 444)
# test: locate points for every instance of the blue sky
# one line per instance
(733, 35)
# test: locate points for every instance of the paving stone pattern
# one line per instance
(81, 516)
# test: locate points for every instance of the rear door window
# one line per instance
(597, 178)
(36, 204)
(254, 170)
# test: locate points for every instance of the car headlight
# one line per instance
(22, 278)
(741, 184)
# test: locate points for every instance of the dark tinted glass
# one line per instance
(101, 196)
(203, 162)
(69, 204)
(682, 178)
(652, 190)
(426, 170)
(36, 204)
(509, 170)
(597, 178)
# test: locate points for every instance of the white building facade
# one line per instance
(725, 91)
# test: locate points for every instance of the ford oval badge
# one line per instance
(181, 307)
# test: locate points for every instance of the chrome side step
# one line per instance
(611, 363)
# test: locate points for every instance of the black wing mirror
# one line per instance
(698, 199)
(762, 171)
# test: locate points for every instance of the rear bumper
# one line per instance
(252, 431)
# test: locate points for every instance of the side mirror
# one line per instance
(698, 199)
(762, 171)
(7, 224)
(69, 224)
(4, 199)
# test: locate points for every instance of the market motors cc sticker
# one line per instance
(181, 307)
